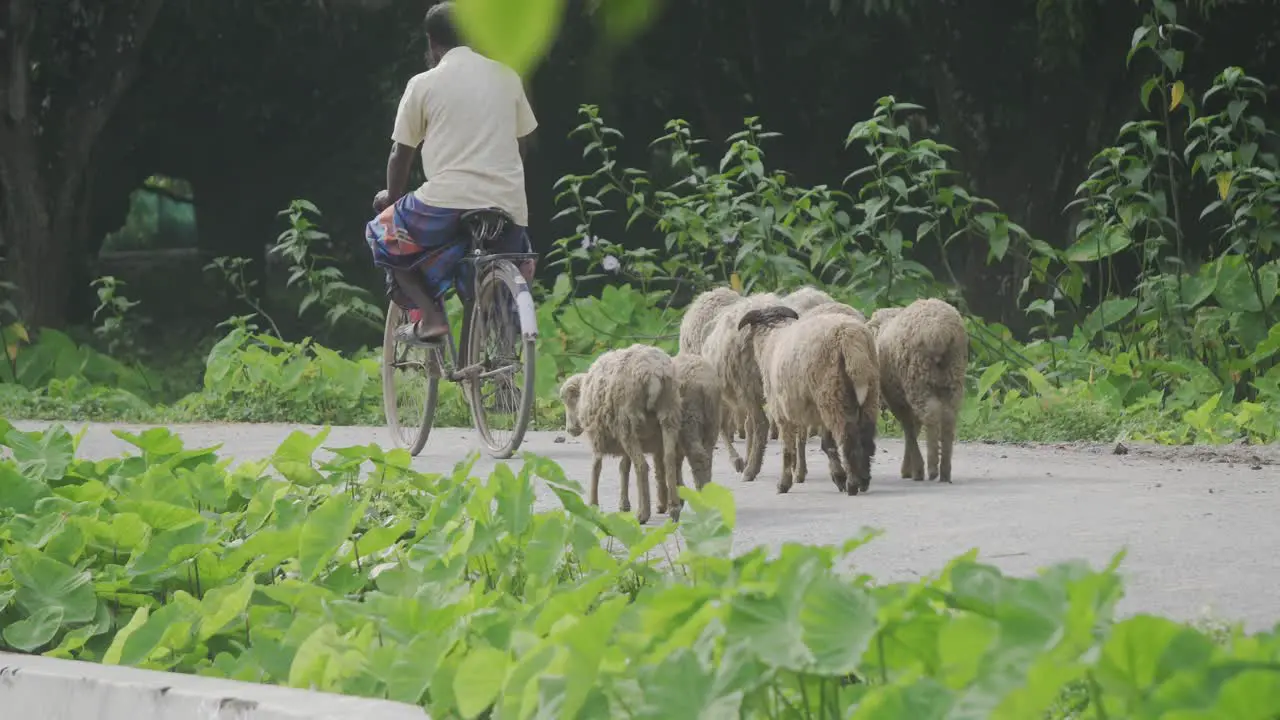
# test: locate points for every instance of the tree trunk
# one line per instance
(43, 161)
(37, 262)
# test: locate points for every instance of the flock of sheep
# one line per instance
(787, 367)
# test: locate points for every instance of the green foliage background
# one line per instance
(359, 575)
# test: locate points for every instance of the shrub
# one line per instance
(359, 575)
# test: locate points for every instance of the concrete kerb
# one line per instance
(34, 687)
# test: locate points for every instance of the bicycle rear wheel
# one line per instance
(409, 389)
(501, 340)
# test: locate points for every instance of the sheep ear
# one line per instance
(571, 384)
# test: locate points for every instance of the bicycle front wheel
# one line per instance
(501, 341)
(409, 388)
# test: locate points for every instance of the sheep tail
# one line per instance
(653, 392)
(853, 361)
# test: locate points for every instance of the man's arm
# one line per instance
(410, 128)
(399, 165)
(526, 123)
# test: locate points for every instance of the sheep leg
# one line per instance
(727, 428)
(660, 471)
(773, 431)
(867, 431)
(931, 440)
(595, 479)
(624, 475)
(802, 466)
(758, 435)
(838, 475)
(851, 450)
(669, 471)
(636, 453)
(802, 442)
(788, 458)
(948, 431)
(912, 462)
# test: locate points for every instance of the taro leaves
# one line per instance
(324, 531)
(42, 456)
(810, 621)
(45, 583)
(473, 603)
(35, 630)
(52, 594)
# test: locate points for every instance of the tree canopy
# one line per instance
(257, 103)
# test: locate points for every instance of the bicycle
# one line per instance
(491, 321)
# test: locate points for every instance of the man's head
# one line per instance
(442, 35)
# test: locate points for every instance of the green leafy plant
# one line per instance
(359, 575)
(1185, 354)
(115, 328)
(254, 376)
(302, 246)
(242, 286)
(741, 223)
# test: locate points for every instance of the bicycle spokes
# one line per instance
(499, 389)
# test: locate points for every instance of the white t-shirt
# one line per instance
(467, 112)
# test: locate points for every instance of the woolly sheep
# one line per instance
(731, 357)
(802, 300)
(699, 319)
(700, 419)
(701, 315)
(827, 308)
(819, 371)
(627, 403)
(881, 317)
(699, 394)
(805, 307)
(805, 298)
(923, 349)
(834, 308)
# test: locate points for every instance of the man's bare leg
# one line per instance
(433, 325)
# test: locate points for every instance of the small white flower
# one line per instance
(729, 238)
(693, 179)
(587, 242)
(610, 263)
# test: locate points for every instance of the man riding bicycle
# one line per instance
(472, 119)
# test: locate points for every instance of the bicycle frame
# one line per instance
(496, 275)
(524, 308)
(482, 226)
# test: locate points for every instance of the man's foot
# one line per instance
(412, 334)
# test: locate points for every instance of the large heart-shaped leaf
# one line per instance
(35, 630)
(46, 583)
(42, 456)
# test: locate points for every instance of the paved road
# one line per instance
(1201, 525)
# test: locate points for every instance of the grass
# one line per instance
(1070, 420)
